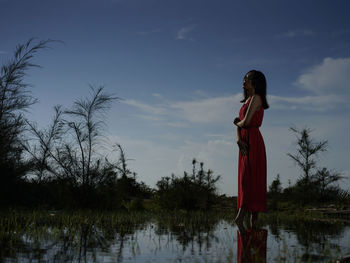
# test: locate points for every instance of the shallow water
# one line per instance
(159, 240)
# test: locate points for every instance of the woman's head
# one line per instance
(257, 80)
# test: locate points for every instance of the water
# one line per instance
(157, 239)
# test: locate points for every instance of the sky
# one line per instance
(178, 67)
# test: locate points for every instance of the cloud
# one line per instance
(157, 110)
(332, 76)
(208, 110)
(309, 103)
(222, 109)
(297, 33)
(212, 110)
(157, 95)
(184, 32)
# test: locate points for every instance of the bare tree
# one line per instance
(307, 150)
(86, 127)
(15, 98)
(122, 163)
(43, 168)
(325, 178)
(67, 149)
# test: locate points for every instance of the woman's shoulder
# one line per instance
(256, 100)
(257, 97)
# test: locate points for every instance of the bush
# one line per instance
(195, 192)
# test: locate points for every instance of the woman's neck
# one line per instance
(250, 93)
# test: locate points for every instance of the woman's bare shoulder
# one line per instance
(256, 100)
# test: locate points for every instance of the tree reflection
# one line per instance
(65, 238)
(87, 237)
(312, 235)
(193, 229)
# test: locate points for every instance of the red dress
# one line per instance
(252, 167)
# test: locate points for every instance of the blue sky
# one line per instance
(179, 65)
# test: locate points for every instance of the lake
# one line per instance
(143, 237)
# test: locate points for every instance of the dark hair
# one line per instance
(259, 83)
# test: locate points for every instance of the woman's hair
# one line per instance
(258, 81)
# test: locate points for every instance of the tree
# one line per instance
(325, 179)
(122, 166)
(275, 192)
(41, 155)
(67, 149)
(276, 186)
(15, 99)
(315, 184)
(307, 150)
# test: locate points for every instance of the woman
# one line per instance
(252, 156)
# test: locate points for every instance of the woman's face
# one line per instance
(247, 84)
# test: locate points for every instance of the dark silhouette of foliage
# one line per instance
(307, 149)
(274, 193)
(67, 149)
(15, 99)
(276, 186)
(66, 159)
(324, 180)
(195, 192)
(315, 185)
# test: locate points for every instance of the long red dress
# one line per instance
(252, 167)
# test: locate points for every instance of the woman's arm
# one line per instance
(243, 146)
(254, 105)
(238, 134)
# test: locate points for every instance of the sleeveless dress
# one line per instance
(252, 167)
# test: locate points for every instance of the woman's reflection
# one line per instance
(251, 245)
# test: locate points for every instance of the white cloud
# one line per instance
(145, 107)
(297, 33)
(149, 117)
(221, 110)
(308, 103)
(210, 110)
(332, 76)
(176, 124)
(184, 32)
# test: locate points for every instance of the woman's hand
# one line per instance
(236, 120)
(243, 147)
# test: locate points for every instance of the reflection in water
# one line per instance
(251, 245)
(165, 238)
